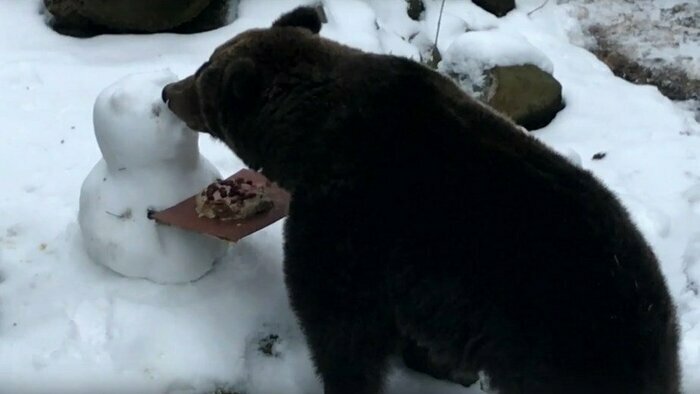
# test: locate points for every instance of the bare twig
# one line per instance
(435, 56)
(125, 215)
(538, 8)
(437, 32)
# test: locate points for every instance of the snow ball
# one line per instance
(134, 128)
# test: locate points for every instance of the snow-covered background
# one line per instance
(646, 40)
(68, 325)
(654, 31)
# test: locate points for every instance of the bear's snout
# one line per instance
(164, 93)
(182, 99)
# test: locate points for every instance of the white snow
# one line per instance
(150, 161)
(656, 32)
(352, 22)
(495, 48)
(474, 52)
(68, 325)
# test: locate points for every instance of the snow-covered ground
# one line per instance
(654, 40)
(657, 32)
(68, 325)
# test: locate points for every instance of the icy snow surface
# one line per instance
(68, 325)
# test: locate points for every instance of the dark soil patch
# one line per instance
(673, 82)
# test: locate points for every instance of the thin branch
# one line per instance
(113, 214)
(437, 33)
(538, 8)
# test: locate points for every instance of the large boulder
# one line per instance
(504, 70)
(414, 9)
(89, 18)
(142, 15)
(496, 7)
(529, 96)
(67, 19)
(212, 17)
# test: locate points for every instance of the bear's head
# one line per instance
(230, 95)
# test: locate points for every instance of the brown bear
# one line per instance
(420, 216)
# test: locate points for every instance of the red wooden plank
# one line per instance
(183, 215)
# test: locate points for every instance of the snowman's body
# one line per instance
(151, 161)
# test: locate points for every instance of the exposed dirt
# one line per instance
(653, 42)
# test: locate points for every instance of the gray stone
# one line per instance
(496, 7)
(215, 15)
(66, 19)
(414, 9)
(529, 96)
(88, 18)
(142, 15)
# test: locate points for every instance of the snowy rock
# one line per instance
(470, 55)
(528, 95)
(414, 9)
(217, 14)
(474, 52)
(150, 161)
(504, 70)
(66, 19)
(140, 15)
(496, 7)
(88, 18)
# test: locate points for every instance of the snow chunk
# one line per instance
(353, 23)
(458, 17)
(392, 17)
(473, 52)
(572, 156)
(151, 161)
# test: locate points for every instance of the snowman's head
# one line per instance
(134, 128)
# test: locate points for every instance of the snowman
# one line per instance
(151, 161)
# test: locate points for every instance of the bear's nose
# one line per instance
(164, 93)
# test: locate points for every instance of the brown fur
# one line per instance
(420, 217)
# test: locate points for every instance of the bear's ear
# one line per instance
(305, 17)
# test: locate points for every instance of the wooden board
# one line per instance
(184, 216)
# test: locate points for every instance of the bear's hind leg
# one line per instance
(345, 321)
(349, 345)
(349, 358)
